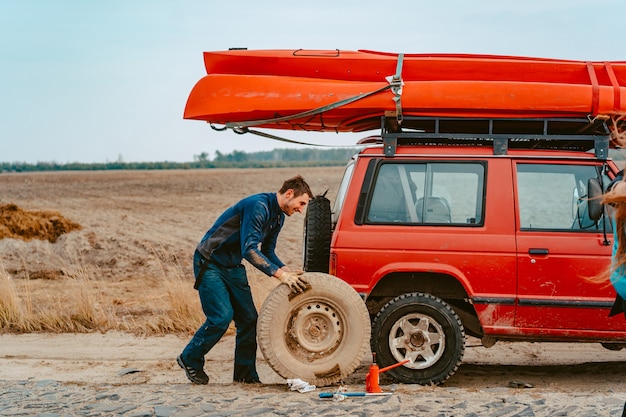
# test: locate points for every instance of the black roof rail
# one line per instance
(577, 134)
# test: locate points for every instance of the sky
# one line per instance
(104, 81)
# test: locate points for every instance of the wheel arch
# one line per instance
(440, 284)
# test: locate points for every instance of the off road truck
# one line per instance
(491, 228)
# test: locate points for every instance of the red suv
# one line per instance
(484, 227)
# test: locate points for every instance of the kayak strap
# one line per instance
(244, 130)
(281, 139)
(395, 84)
(615, 84)
(595, 88)
(308, 113)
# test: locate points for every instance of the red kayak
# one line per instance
(350, 90)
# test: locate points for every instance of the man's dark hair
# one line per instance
(298, 185)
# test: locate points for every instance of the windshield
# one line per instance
(341, 192)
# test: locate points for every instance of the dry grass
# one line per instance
(12, 313)
(179, 316)
(86, 309)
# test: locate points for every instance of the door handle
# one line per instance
(538, 251)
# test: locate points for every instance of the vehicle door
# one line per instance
(560, 251)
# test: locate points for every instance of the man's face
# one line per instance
(294, 204)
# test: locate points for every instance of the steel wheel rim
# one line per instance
(314, 330)
(419, 338)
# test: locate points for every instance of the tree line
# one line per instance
(276, 158)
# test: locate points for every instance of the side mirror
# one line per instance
(594, 195)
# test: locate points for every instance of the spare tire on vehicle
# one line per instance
(317, 234)
(320, 336)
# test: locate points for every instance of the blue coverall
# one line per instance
(249, 229)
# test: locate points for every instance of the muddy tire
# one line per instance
(424, 329)
(320, 336)
(614, 346)
(317, 234)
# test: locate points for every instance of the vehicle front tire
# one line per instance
(424, 329)
(614, 346)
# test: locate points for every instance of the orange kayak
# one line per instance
(350, 90)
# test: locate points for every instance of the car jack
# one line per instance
(372, 377)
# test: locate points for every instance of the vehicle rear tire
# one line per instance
(614, 346)
(320, 336)
(317, 234)
(424, 329)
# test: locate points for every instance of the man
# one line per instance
(248, 230)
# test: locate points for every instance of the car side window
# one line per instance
(428, 193)
(393, 197)
(554, 197)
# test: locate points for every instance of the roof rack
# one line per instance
(578, 134)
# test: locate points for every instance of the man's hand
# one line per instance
(295, 281)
